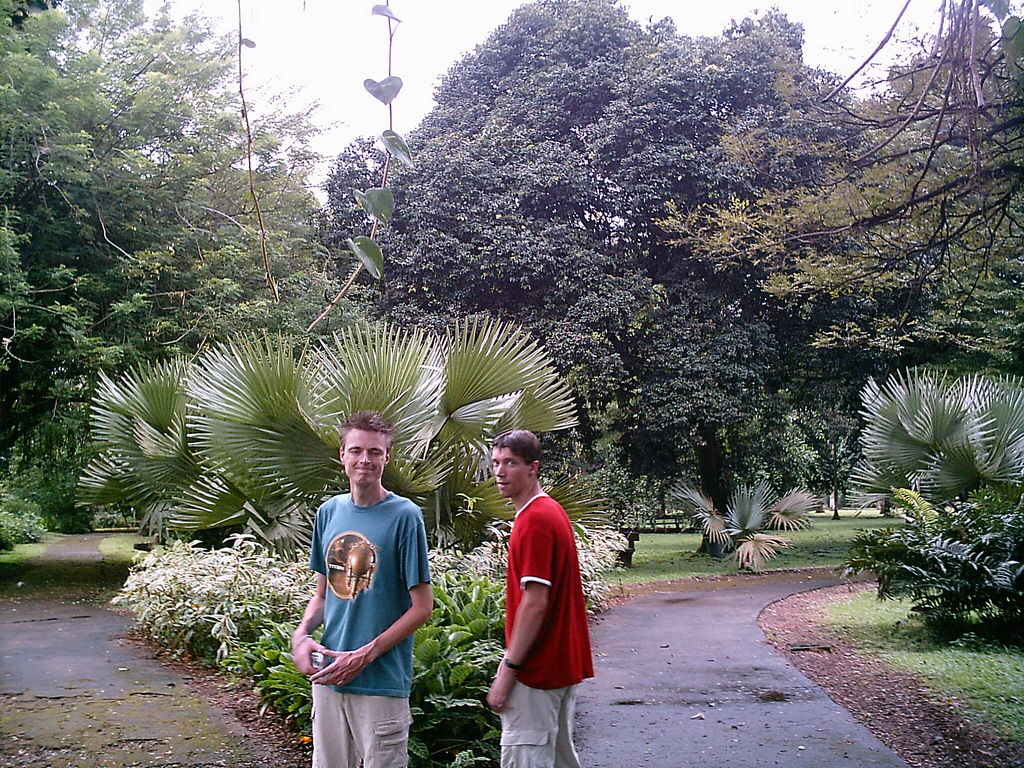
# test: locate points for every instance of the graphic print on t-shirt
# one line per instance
(351, 561)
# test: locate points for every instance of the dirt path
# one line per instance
(76, 691)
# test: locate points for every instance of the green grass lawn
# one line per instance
(667, 556)
(987, 679)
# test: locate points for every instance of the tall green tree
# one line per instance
(565, 161)
(127, 229)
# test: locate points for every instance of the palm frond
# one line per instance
(790, 513)
(714, 526)
(417, 478)
(139, 419)
(476, 422)
(580, 499)
(757, 549)
(461, 508)
(250, 406)
(487, 359)
(748, 508)
(102, 481)
(871, 481)
(688, 498)
(396, 372)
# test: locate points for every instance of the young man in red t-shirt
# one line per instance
(547, 643)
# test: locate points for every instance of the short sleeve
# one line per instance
(316, 552)
(415, 564)
(538, 550)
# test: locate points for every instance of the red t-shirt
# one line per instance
(542, 548)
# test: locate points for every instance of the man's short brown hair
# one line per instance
(522, 442)
(368, 421)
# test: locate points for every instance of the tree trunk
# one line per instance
(709, 466)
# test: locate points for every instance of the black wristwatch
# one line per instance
(510, 665)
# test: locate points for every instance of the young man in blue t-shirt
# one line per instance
(372, 592)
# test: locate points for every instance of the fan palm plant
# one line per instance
(250, 435)
(141, 422)
(752, 511)
(941, 436)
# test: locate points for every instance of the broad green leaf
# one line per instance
(369, 253)
(397, 148)
(383, 10)
(384, 91)
(377, 202)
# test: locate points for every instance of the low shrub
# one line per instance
(20, 521)
(280, 685)
(456, 654)
(961, 565)
(208, 602)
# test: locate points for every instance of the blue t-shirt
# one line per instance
(371, 556)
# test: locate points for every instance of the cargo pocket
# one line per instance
(392, 737)
(524, 737)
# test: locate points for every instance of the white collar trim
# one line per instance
(532, 499)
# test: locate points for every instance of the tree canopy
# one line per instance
(127, 229)
(559, 175)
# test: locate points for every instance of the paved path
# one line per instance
(684, 679)
(74, 693)
(688, 679)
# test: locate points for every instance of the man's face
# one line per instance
(513, 475)
(364, 455)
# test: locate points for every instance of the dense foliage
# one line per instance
(20, 521)
(127, 227)
(950, 452)
(961, 565)
(456, 655)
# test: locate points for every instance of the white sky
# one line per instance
(328, 47)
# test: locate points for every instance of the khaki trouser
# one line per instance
(350, 730)
(536, 728)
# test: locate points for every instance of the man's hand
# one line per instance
(345, 666)
(301, 648)
(500, 688)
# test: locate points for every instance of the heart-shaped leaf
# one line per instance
(377, 202)
(384, 91)
(383, 10)
(397, 148)
(369, 253)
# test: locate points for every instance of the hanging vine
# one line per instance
(243, 43)
(378, 202)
